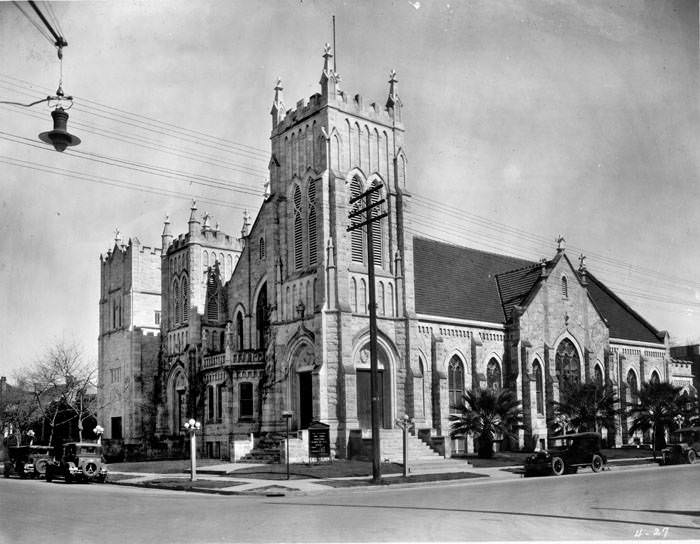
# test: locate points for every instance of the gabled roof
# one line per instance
(623, 321)
(459, 282)
(465, 283)
(514, 287)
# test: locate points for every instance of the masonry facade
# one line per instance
(285, 326)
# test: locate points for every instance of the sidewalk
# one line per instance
(270, 480)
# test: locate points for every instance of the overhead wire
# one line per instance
(148, 144)
(74, 174)
(42, 30)
(136, 167)
(154, 124)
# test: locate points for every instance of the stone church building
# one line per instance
(276, 319)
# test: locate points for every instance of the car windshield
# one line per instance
(88, 450)
(40, 450)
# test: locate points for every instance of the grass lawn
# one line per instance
(168, 466)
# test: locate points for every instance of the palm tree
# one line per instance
(586, 407)
(658, 403)
(487, 414)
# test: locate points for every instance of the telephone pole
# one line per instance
(371, 213)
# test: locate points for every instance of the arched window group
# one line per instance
(304, 226)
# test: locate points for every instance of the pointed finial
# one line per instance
(205, 224)
(266, 190)
(393, 102)
(278, 91)
(543, 267)
(278, 107)
(561, 243)
(581, 263)
(246, 223)
(193, 209)
(327, 54)
(117, 236)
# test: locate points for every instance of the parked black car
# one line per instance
(28, 461)
(566, 454)
(81, 461)
(683, 447)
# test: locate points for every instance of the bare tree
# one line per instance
(61, 379)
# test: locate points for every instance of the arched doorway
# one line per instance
(363, 387)
(178, 401)
(303, 364)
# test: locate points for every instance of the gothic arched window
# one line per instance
(598, 377)
(568, 363)
(353, 295)
(261, 248)
(239, 331)
(455, 383)
(654, 377)
(262, 318)
(632, 393)
(377, 227)
(177, 304)
(362, 302)
(311, 221)
(298, 230)
(212, 299)
(185, 300)
(539, 387)
(357, 242)
(564, 287)
(493, 376)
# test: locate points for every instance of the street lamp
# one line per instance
(192, 427)
(405, 424)
(99, 431)
(287, 415)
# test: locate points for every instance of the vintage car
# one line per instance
(81, 461)
(683, 447)
(566, 454)
(28, 461)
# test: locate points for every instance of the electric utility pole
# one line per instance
(372, 213)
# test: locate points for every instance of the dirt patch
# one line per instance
(187, 485)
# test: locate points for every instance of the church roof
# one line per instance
(465, 283)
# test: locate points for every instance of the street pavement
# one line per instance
(630, 503)
(243, 485)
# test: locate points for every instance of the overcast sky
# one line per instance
(525, 120)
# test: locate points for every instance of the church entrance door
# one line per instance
(306, 398)
(364, 398)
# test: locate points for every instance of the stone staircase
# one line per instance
(266, 451)
(391, 448)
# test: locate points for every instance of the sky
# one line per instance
(525, 120)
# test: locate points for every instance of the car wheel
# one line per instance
(690, 456)
(558, 466)
(597, 463)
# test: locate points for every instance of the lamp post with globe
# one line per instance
(99, 431)
(192, 427)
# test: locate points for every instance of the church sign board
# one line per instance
(319, 440)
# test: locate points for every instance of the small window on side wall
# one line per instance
(564, 287)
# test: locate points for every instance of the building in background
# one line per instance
(129, 339)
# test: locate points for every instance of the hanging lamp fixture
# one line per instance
(59, 137)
